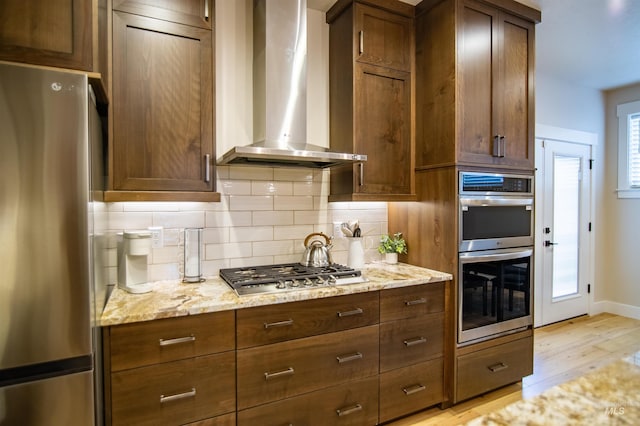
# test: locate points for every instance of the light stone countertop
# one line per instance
(174, 299)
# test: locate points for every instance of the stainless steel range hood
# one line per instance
(280, 93)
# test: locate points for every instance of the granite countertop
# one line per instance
(607, 396)
(174, 298)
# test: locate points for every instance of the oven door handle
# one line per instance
(494, 257)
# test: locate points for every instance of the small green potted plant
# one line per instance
(391, 246)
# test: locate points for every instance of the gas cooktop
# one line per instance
(288, 277)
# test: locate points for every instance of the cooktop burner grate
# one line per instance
(289, 276)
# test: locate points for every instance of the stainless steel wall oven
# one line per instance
(495, 276)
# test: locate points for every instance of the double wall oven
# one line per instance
(495, 254)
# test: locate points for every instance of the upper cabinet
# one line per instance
(162, 143)
(371, 99)
(58, 33)
(475, 85)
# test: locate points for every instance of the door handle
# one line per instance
(548, 243)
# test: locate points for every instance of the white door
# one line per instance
(564, 182)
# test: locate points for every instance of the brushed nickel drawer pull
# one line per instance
(169, 398)
(413, 389)
(420, 301)
(278, 323)
(288, 372)
(350, 357)
(348, 410)
(356, 311)
(415, 341)
(498, 367)
(169, 342)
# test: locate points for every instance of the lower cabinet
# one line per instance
(492, 367)
(352, 403)
(176, 392)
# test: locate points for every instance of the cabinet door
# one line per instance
(496, 87)
(47, 32)
(382, 38)
(383, 130)
(162, 105)
(516, 100)
(197, 13)
(478, 74)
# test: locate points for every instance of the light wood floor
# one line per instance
(562, 352)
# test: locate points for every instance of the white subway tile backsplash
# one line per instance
(250, 202)
(263, 218)
(189, 219)
(271, 188)
(227, 218)
(272, 248)
(234, 187)
(251, 233)
(279, 217)
(292, 202)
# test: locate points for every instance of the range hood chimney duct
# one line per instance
(280, 92)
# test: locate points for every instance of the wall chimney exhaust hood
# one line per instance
(280, 93)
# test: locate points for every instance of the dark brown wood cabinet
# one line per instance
(475, 84)
(171, 371)
(162, 145)
(371, 99)
(55, 33)
(196, 13)
(411, 349)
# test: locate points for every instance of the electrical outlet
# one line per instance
(157, 236)
(337, 230)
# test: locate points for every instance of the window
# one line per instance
(629, 150)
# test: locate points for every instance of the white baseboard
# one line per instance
(615, 308)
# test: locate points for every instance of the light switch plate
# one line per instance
(157, 236)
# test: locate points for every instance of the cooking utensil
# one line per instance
(344, 227)
(357, 233)
(316, 252)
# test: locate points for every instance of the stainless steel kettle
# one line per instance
(316, 252)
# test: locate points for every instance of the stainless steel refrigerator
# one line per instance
(50, 181)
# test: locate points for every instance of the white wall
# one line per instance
(618, 261)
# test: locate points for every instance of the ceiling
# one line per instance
(584, 42)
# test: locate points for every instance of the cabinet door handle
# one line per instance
(168, 398)
(361, 177)
(420, 301)
(348, 410)
(349, 357)
(496, 146)
(498, 367)
(169, 342)
(361, 42)
(206, 10)
(503, 146)
(278, 323)
(413, 389)
(288, 372)
(356, 311)
(414, 341)
(207, 168)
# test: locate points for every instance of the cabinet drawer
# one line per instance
(146, 343)
(411, 389)
(409, 341)
(490, 368)
(277, 323)
(224, 420)
(354, 403)
(412, 301)
(281, 370)
(176, 392)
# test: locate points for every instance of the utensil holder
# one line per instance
(192, 255)
(355, 257)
